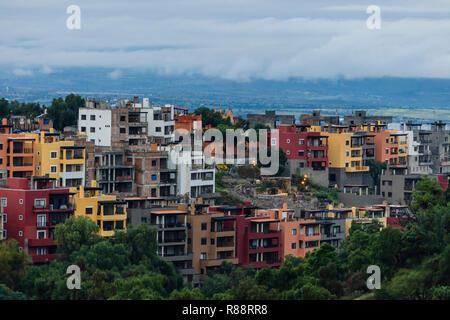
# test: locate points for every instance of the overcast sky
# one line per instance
(231, 39)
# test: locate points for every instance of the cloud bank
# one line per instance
(230, 39)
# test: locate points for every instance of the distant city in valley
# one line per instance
(422, 100)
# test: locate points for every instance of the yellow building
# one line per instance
(59, 159)
(345, 153)
(109, 213)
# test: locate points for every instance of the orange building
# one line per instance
(391, 147)
(299, 236)
(16, 152)
(189, 122)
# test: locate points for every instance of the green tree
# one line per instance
(187, 294)
(375, 169)
(13, 263)
(74, 233)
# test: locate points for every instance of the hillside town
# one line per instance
(118, 166)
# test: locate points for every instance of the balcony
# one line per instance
(61, 208)
(43, 258)
(41, 242)
(357, 169)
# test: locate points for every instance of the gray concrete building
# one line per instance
(270, 118)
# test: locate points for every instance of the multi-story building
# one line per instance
(106, 211)
(94, 121)
(270, 118)
(306, 151)
(60, 159)
(316, 119)
(111, 169)
(32, 209)
(17, 152)
(391, 147)
(397, 185)
(299, 236)
(360, 117)
(347, 153)
(172, 237)
(153, 175)
(212, 239)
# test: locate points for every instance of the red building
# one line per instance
(258, 239)
(309, 148)
(33, 207)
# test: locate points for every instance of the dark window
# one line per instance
(83, 117)
(88, 210)
(212, 241)
(203, 241)
(92, 116)
(204, 226)
(123, 130)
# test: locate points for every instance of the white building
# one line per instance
(194, 177)
(96, 125)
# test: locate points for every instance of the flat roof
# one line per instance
(264, 220)
(223, 218)
(112, 202)
(168, 212)
(73, 147)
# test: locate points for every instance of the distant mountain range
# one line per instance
(418, 99)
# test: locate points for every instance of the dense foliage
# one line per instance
(30, 109)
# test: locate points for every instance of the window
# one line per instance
(83, 117)
(301, 153)
(203, 241)
(20, 201)
(1, 146)
(20, 233)
(347, 142)
(203, 256)
(5, 218)
(212, 241)
(301, 141)
(41, 251)
(41, 220)
(88, 210)
(158, 129)
(273, 141)
(53, 169)
(300, 244)
(346, 164)
(20, 217)
(153, 177)
(4, 202)
(83, 129)
(92, 117)
(92, 129)
(389, 194)
(288, 152)
(39, 203)
(301, 230)
(204, 226)
(41, 234)
(347, 153)
(288, 140)
(123, 118)
(53, 155)
(1, 160)
(4, 234)
(153, 163)
(294, 231)
(293, 245)
(123, 130)
(387, 150)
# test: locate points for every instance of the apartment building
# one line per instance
(306, 151)
(391, 147)
(271, 119)
(17, 152)
(347, 154)
(32, 209)
(112, 170)
(317, 119)
(299, 236)
(95, 122)
(397, 184)
(331, 221)
(106, 211)
(360, 117)
(212, 239)
(60, 159)
(172, 237)
(153, 175)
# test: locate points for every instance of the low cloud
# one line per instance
(230, 39)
